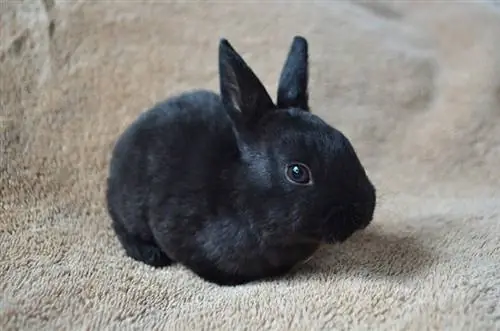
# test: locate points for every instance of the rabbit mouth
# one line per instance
(342, 222)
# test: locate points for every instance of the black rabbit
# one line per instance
(235, 187)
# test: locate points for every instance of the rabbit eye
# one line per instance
(298, 173)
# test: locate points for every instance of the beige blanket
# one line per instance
(414, 84)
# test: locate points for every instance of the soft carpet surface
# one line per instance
(415, 85)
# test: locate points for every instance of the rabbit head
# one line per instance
(298, 178)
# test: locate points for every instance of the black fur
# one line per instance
(200, 179)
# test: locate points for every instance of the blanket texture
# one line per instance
(415, 85)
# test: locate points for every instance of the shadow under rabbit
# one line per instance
(370, 253)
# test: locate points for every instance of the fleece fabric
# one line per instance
(415, 85)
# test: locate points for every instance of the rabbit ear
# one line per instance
(239, 86)
(292, 87)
